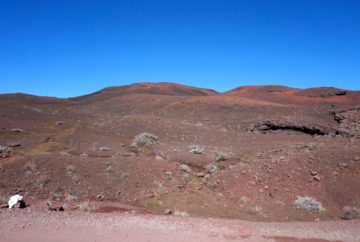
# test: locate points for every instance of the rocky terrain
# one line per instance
(259, 153)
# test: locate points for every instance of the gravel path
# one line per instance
(36, 226)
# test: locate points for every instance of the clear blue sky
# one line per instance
(68, 48)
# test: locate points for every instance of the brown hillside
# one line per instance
(248, 153)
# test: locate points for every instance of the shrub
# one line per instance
(196, 149)
(70, 198)
(185, 168)
(350, 212)
(212, 168)
(43, 181)
(29, 169)
(160, 188)
(181, 213)
(168, 174)
(308, 204)
(144, 139)
(71, 170)
(2, 148)
(3, 200)
(109, 168)
(220, 156)
(312, 145)
(85, 207)
(244, 199)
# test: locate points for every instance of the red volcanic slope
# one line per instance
(163, 88)
(284, 94)
(259, 89)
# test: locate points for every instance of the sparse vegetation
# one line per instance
(196, 149)
(144, 139)
(308, 204)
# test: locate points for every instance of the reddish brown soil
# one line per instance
(280, 143)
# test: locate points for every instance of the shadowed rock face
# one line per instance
(257, 149)
(302, 128)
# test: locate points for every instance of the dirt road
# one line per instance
(35, 226)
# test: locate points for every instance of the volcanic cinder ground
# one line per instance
(246, 154)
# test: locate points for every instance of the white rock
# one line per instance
(14, 200)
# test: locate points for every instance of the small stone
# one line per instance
(185, 176)
(14, 144)
(185, 168)
(313, 173)
(59, 123)
(317, 178)
(168, 174)
(104, 148)
(212, 168)
(17, 130)
(200, 174)
(84, 155)
(159, 157)
(356, 158)
(100, 197)
(168, 211)
(253, 183)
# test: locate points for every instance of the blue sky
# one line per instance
(68, 48)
